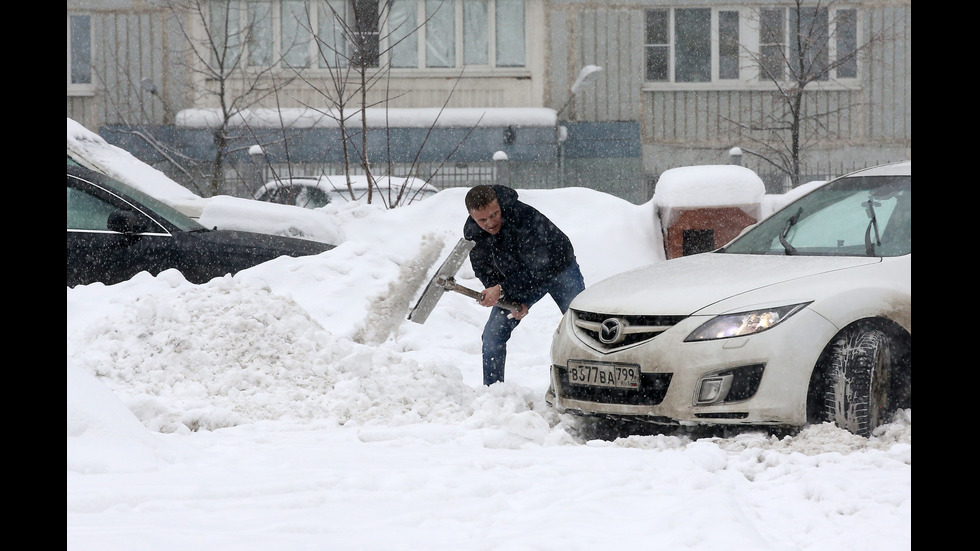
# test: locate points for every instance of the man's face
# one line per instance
(488, 218)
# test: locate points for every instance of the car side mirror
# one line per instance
(124, 221)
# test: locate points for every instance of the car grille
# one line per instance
(610, 332)
(653, 388)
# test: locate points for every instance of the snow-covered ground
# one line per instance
(293, 407)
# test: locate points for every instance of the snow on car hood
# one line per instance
(685, 285)
(235, 213)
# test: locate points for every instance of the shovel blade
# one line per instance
(433, 291)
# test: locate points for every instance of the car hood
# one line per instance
(701, 283)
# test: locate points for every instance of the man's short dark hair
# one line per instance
(479, 197)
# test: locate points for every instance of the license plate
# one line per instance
(604, 374)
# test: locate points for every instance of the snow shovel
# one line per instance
(444, 280)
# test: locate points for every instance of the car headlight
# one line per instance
(743, 323)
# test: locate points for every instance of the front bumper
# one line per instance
(760, 379)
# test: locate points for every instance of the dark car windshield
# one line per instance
(156, 207)
(853, 216)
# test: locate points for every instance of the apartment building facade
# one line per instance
(453, 87)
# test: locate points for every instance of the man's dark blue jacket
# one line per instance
(527, 252)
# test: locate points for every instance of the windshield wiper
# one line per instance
(790, 249)
(869, 245)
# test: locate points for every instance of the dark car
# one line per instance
(116, 232)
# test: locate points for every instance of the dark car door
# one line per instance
(110, 240)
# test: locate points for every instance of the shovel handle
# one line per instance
(450, 284)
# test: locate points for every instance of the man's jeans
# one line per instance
(563, 288)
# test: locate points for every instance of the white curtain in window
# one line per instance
(476, 36)
(772, 36)
(402, 22)
(440, 33)
(510, 33)
(260, 35)
(295, 34)
(332, 47)
(226, 33)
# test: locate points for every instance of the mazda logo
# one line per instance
(612, 331)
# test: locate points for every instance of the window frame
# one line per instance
(316, 63)
(749, 41)
(79, 88)
(459, 45)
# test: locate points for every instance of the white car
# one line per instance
(805, 317)
(313, 193)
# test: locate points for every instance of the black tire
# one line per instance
(858, 397)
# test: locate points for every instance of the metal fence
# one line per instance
(522, 175)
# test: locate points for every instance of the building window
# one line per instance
(457, 33)
(475, 48)
(728, 45)
(279, 32)
(225, 34)
(410, 34)
(692, 45)
(509, 24)
(847, 43)
(440, 34)
(260, 36)
(657, 45)
(402, 25)
(808, 41)
(365, 43)
(680, 44)
(815, 37)
(79, 52)
(772, 44)
(739, 45)
(348, 33)
(295, 38)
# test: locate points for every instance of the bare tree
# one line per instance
(135, 122)
(217, 34)
(354, 41)
(212, 55)
(234, 68)
(800, 47)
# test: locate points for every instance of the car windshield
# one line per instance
(854, 216)
(156, 207)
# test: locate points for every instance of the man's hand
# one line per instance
(490, 296)
(520, 313)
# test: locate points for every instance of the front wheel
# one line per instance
(859, 380)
